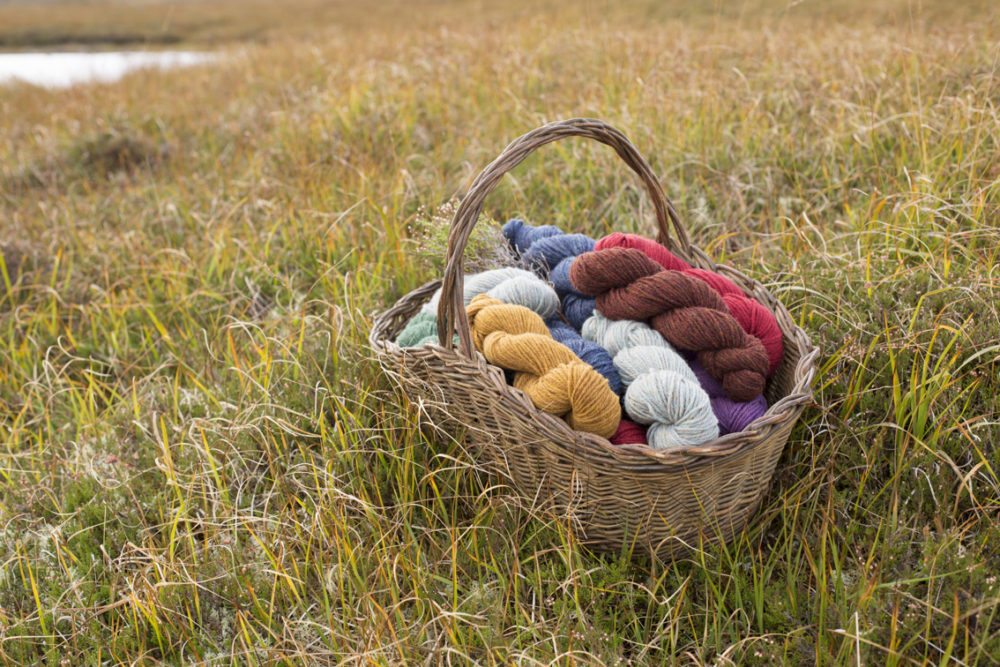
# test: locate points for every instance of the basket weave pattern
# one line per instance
(662, 501)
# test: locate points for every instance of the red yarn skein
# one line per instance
(655, 251)
(628, 285)
(629, 433)
(755, 319)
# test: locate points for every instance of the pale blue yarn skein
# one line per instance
(733, 416)
(550, 252)
(661, 389)
(475, 284)
(510, 285)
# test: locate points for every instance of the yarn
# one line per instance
(556, 380)
(629, 285)
(528, 291)
(576, 306)
(478, 283)
(655, 251)
(755, 319)
(759, 322)
(521, 235)
(509, 285)
(420, 330)
(733, 416)
(617, 335)
(662, 390)
(588, 351)
(550, 252)
(629, 433)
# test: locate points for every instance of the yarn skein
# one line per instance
(755, 319)
(629, 433)
(550, 252)
(588, 351)
(688, 313)
(733, 416)
(556, 380)
(661, 390)
(521, 235)
(576, 306)
(420, 330)
(475, 284)
(509, 285)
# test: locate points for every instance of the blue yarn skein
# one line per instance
(590, 352)
(546, 253)
(521, 235)
(550, 252)
(576, 307)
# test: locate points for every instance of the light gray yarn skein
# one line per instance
(481, 283)
(510, 285)
(528, 291)
(662, 390)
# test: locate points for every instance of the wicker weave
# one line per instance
(619, 497)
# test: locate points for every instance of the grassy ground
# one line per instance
(199, 460)
(26, 24)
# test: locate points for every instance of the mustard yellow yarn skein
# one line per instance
(555, 379)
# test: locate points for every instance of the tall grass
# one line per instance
(200, 461)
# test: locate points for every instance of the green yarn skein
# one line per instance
(420, 330)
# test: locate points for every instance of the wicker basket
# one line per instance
(621, 498)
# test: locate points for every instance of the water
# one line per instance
(64, 69)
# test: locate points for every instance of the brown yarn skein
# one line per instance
(628, 285)
(553, 377)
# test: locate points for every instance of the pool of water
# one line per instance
(66, 68)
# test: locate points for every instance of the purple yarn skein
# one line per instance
(733, 416)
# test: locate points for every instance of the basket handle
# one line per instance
(451, 309)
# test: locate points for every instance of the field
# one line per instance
(200, 462)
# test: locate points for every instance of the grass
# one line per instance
(26, 24)
(201, 462)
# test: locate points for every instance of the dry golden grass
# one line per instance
(200, 462)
